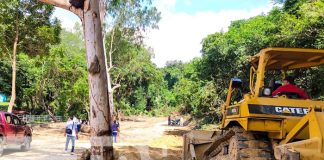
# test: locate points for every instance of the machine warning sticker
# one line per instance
(233, 111)
(278, 110)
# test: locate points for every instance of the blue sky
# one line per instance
(194, 6)
(185, 23)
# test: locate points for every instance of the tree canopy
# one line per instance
(57, 81)
(32, 22)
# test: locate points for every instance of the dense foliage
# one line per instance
(30, 21)
(58, 81)
(200, 86)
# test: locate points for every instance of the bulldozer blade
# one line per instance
(216, 143)
(196, 142)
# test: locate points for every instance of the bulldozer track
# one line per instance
(243, 145)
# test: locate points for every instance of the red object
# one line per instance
(14, 130)
(19, 112)
(291, 88)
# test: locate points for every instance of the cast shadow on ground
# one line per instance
(11, 150)
(41, 154)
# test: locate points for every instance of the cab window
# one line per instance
(8, 118)
(16, 120)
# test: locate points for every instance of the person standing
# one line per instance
(169, 120)
(78, 123)
(115, 129)
(181, 121)
(71, 133)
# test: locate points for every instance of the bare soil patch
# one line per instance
(140, 138)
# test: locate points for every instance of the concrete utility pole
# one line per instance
(91, 13)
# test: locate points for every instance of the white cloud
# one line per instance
(165, 5)
(180, 34)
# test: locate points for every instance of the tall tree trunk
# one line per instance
(100, 111)
(100, 117)
(111, 96)
(45, 105)
(111, 47)
(110, 66)
(51, 113)
(32, 107)
(14, 68)
(110, 89)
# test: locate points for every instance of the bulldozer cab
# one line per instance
(270, 67)
(279, 60)
(260, 111)
(291, 125)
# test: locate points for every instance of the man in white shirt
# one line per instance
(71, 133)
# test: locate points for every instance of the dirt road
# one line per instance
(48, 144)
(145, 138)
(150, 139)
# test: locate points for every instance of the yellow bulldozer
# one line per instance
(260, 126)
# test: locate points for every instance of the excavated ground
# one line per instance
(140, 138)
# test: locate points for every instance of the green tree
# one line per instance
(26, 27)
(225, 55)
(142, 83)
(127, 20)
(59, 79)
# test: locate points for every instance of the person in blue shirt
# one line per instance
(115, 129)
(71, 133)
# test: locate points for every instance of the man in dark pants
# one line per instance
(115, 129)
